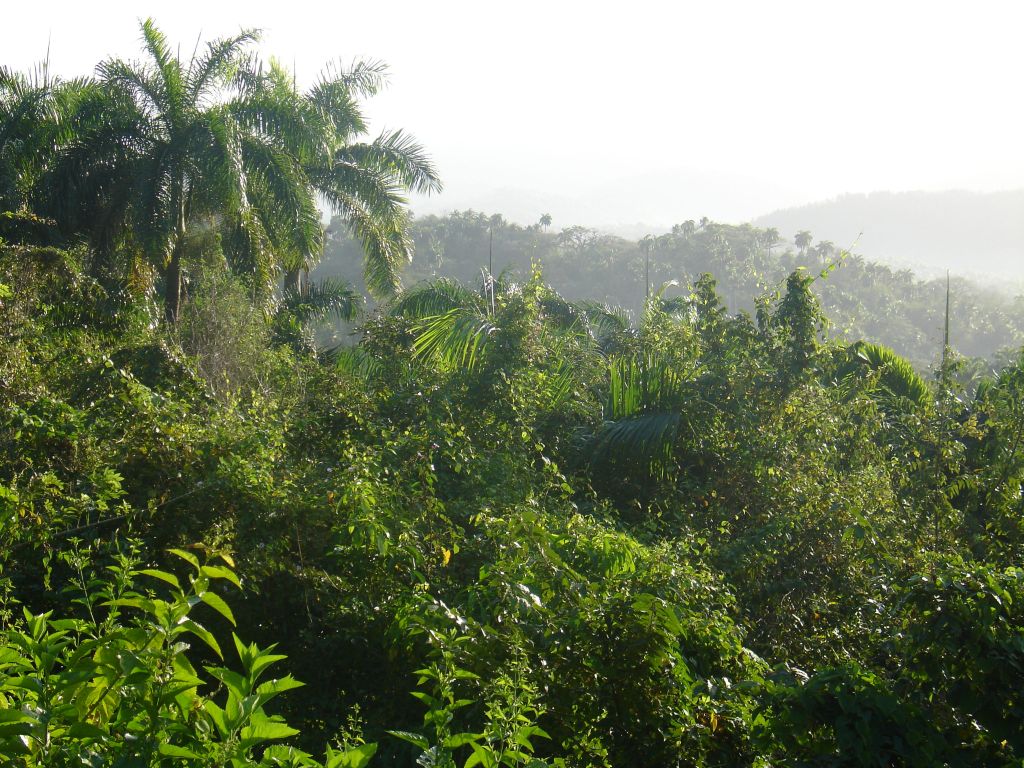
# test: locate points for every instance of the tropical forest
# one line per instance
(291, 475)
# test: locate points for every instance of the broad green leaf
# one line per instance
(356, 757)
(170, 578)
(412, 738)
(220, 572)
(169, 750)
(280, 685)
(186, 556)
(481, 756)
(203, 634)
(216, 714)
(236, 684)
(216, 602)
(457, 740)
(265, 729)
(140, 603)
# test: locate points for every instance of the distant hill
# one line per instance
(980, 235)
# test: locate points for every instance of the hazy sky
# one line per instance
(654, 112)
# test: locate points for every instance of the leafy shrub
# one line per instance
(118, 686)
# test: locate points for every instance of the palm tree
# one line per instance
(169, 150)
(802, 240)
(646, 245)
(34, 111)
(158, 156)
(451, 324)
(686, 229)
(771, 239)
(366, 182)
(545, 221)
(21, 106)
(825, 250)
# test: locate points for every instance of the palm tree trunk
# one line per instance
(172, 290)
(291, 280)
(172, 287)
(297, 281)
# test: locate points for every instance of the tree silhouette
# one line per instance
(803, 240)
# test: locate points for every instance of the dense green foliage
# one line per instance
(504, 529)
(709, 539)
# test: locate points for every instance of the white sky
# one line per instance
(626, 112)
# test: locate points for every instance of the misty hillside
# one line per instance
(863, 298)
(971, 233)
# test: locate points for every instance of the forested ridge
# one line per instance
(862, 298)
(513, 523)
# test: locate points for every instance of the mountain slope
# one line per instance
(971, 233)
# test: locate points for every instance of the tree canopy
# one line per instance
(159, 162)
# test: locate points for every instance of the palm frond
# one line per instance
(248, 251)
(155, 42)
(378, 193)
(364, 77)
(557, 382)
(648, 439)
(99, 172)
(679, 307)
(897, 376)
(643, 413)
(324, 299)
(138, 82)
(386, 242)
(356, 361)
(34, 127)
(453, 340)
(436, 298)
(642, 383)
(278, 187)
(217, 144)
(279, 116)
(608, 325)
(167, 66)
(562, 314)
(400, 156)
(602, 316)
(334, 104)
(219, 64)
(151, 195)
